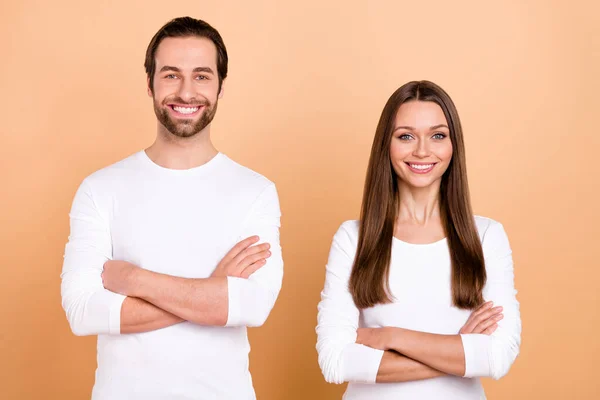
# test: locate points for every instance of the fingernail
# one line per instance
(268, 253)
(499, 308)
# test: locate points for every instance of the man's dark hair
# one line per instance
(185, 27)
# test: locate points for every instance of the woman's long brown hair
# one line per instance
(369, 281)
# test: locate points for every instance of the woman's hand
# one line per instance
(483, 320)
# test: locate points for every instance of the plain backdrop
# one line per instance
(307, 83)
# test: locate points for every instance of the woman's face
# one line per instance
(421, 149)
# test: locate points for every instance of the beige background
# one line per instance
(307, 83)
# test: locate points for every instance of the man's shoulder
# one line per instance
(245, 177)
(114, 172)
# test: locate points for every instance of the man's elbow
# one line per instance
(251, 310)
(258, 318)
(74, 317)
(79, 329)
(78, 324)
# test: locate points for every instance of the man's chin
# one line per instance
(183, 133)
(181, 129)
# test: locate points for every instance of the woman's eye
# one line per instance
(439, 136)
(405, 137)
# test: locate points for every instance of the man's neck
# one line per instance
(173, 152)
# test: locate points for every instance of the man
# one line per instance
(152, 266)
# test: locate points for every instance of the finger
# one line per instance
(239, 247)
(253, 250)
(482, 326)
(489, 314)
(472, 321)
(479, 318)
(490, 330)
(251, 259)
(483, 308)
(252, 268)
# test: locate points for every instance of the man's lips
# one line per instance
(185, 110)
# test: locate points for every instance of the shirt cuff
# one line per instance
(234, 295)
(360, 363)
(476, 354)
(114, 314)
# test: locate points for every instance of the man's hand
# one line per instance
(376, 338)
(243, 259)
(120, 276)
(483, 320)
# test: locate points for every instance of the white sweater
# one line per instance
(181, 223)
(420, 284)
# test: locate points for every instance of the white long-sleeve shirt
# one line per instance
(181, 223)
(420, 285)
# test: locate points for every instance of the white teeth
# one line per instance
(186, 110)
(423, 167)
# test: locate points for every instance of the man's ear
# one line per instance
(222, 91)
(148, 88)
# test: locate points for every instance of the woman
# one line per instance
(408, 294)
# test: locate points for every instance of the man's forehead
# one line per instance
(190, 52)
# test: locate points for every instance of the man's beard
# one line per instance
(185, 127)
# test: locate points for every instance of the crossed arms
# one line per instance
(485, 346)
(105, 296)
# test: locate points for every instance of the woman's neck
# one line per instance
(418, 205)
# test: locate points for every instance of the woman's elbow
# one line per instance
(502, 361)
(330, 375)
(330, 367)
(500, 371)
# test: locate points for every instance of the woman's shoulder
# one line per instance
(347, 233)
(484, 223)
(491, 232)
(351, 226)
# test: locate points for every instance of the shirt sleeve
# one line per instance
(341, 359)
(492, 356)
(90, 308)
(251, 300)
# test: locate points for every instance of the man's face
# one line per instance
(186, 85)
